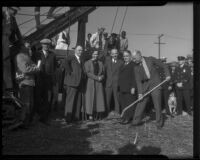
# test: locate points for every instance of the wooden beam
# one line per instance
(59, 24)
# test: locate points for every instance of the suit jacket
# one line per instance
(73, 71)
(127, 78)
(112, 71)
(48, 66)
(143, 84)
(162, 76)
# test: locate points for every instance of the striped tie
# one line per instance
(145, 68)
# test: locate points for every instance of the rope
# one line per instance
(114, 19)
(123, 20)
(40, 22)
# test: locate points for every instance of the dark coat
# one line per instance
(112, 72)
(48, 67)
(94, 89)
(127, 78)
(143, 84)
(73, 71)
(183, 75)
(162, 76)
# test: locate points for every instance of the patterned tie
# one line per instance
(145, 68)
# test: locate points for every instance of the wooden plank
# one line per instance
(59, 24)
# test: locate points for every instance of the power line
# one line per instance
(123, 20)
(114, 19)
(176, 37)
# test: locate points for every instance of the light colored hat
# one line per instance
(45, 41)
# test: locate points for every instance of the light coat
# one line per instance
(94, 89)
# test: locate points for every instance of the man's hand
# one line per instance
(100, 78)
(170, 88)
(168, 78)
(140, 96)
(132, 90)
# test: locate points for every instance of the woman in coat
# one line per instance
(94, 96)
(127, 85)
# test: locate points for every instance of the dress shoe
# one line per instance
(124, 122)
(158, 127)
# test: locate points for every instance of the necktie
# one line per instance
(45, 54)
(146, 68)
(78, 60)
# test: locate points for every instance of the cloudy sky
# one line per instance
(143, 26)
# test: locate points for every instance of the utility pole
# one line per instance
(159, 43)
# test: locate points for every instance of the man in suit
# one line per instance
(127, 85)
(182, 86)
(74, 77)
(147, 77)
(45, 80)
(112, 67)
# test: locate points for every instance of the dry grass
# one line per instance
(103, 137)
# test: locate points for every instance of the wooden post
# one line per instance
(81, 31)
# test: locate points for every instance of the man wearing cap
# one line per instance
(74, 78)
(182, 85)
(147, 77)
(46, 79)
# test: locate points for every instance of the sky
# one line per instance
(143, 25)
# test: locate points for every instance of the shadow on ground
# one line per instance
(131, 149)
(48, 140)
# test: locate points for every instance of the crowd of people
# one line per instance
(98, 78)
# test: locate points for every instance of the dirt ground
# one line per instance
(107, 137)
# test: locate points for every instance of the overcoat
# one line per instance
(94, 95)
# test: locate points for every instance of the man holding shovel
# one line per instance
(147, 77)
